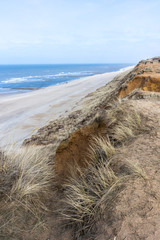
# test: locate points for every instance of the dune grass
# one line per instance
(25, 180)
(123, 123)
(95, 189)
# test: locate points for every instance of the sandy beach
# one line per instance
(21, 115)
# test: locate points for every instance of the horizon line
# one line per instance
(63, 63)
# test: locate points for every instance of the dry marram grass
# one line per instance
(123, 122)
(25, 178)
(95, 189)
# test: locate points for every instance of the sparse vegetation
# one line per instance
(94, 190)
(25, 178)
(123, 123)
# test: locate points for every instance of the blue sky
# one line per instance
(84, 31)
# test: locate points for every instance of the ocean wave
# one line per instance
(22, 79)
(4, 89)
(42, 78)
(63, 74)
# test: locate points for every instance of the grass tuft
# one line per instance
(123, 123)
(25, 180)
(101, 148)
(94, 191)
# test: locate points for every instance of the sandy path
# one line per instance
(22, 114)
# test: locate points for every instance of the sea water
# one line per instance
(24, 78)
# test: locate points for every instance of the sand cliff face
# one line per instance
(73, 150)
(145, 76)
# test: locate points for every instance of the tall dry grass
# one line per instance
(123, 122)
(25, 180)
(95, 189)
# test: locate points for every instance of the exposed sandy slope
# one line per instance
(21, 115)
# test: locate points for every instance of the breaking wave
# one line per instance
(46, 77)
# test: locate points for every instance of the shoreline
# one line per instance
(29, 89)
(23, 114)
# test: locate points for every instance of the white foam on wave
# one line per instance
(41, 78)
(68, 74)
(4, 89)
(22, 79)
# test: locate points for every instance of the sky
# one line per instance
(78, 31)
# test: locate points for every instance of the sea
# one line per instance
(24, 78)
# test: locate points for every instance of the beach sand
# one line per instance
(21, 115)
